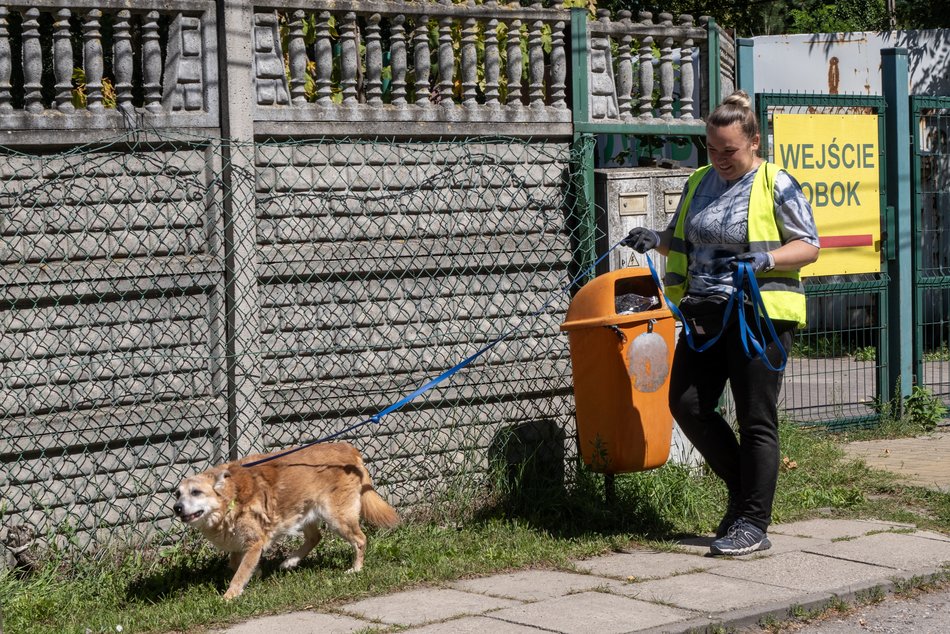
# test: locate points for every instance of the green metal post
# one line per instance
(900, 287)
(580, 83)
(713, 65)
(745, 65)
(580, 107)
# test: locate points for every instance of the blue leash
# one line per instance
(742, 277)
(377, 418)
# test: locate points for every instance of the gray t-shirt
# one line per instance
(716, 228)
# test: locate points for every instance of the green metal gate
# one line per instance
(930, 127)
(838, 365)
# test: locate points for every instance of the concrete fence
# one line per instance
(227, 228)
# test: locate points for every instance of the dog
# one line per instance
(243, 510)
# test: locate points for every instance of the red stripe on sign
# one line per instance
(831, 242)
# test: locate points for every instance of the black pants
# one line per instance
(747, 464)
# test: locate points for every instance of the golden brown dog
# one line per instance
(242, 510)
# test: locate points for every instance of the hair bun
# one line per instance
(739, 98)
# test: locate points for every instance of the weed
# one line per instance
(831, 346)
(942, 353)
(923, 409)
(901, 417)
(864, 353)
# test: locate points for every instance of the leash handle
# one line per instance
(759, 314)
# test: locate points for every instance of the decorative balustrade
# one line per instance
(412, 62)
(110, 65)
(494, 67)
(644, 70)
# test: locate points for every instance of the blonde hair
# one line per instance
(736, 108)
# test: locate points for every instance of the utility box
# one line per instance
(640, 197)
(621, 339)
(635, 197)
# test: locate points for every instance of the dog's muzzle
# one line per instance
(187, 519)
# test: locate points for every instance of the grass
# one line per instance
(179, 588)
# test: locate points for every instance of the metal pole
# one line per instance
(897, 143)
(580, 105)
(745, 71)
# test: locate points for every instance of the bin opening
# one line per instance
(635, 295)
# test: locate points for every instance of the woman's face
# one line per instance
(731, 153)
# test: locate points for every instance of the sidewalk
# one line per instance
(810, 564)
(923, 461)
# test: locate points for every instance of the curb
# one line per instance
(782, 611)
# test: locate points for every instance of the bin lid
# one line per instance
(594, 304)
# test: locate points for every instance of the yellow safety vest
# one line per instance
(782, 291)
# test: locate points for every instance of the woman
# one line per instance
(743, 209)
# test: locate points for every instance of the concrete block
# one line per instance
(299, 623)
(835, 529)
(535, 585)
(806, 572)
(417, 607)
(708, 593)
(644, 564)
(895, 550)
(474, 625)
(591, 612)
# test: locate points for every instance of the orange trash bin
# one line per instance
(621, 361)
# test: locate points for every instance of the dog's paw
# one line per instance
(232, 593)
(290, 563)
(353, 571)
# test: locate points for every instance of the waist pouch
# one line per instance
(704, 315)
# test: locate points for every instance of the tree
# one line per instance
(771, 17)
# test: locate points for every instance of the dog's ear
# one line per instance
(221, 480)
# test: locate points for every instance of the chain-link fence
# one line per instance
(165, 308)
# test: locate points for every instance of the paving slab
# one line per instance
(709, 593)
(592, 612)
(535, 585)
(644, 564)
(302, 623)
(807, 572)
(474, 625)
(932, 535)
(901, 551)
(417, 607)
(918, 460)
(780, 544)
(836, 529)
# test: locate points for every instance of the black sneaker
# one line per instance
(742, 538)
(732, 514)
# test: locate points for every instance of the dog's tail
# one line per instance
(373, 507)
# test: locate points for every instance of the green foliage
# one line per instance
(941, 353)
(771, 17)
(864, 353)
(922, 14)
(79, 90)
(830, 346)
(923, 409)
(817, 16)
(920, 412)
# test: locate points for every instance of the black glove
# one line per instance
(761, 262)
(641, 239)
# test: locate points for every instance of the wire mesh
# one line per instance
(835, 368)
(932, 244)
(172, 302)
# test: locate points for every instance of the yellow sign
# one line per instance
(836, 160)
